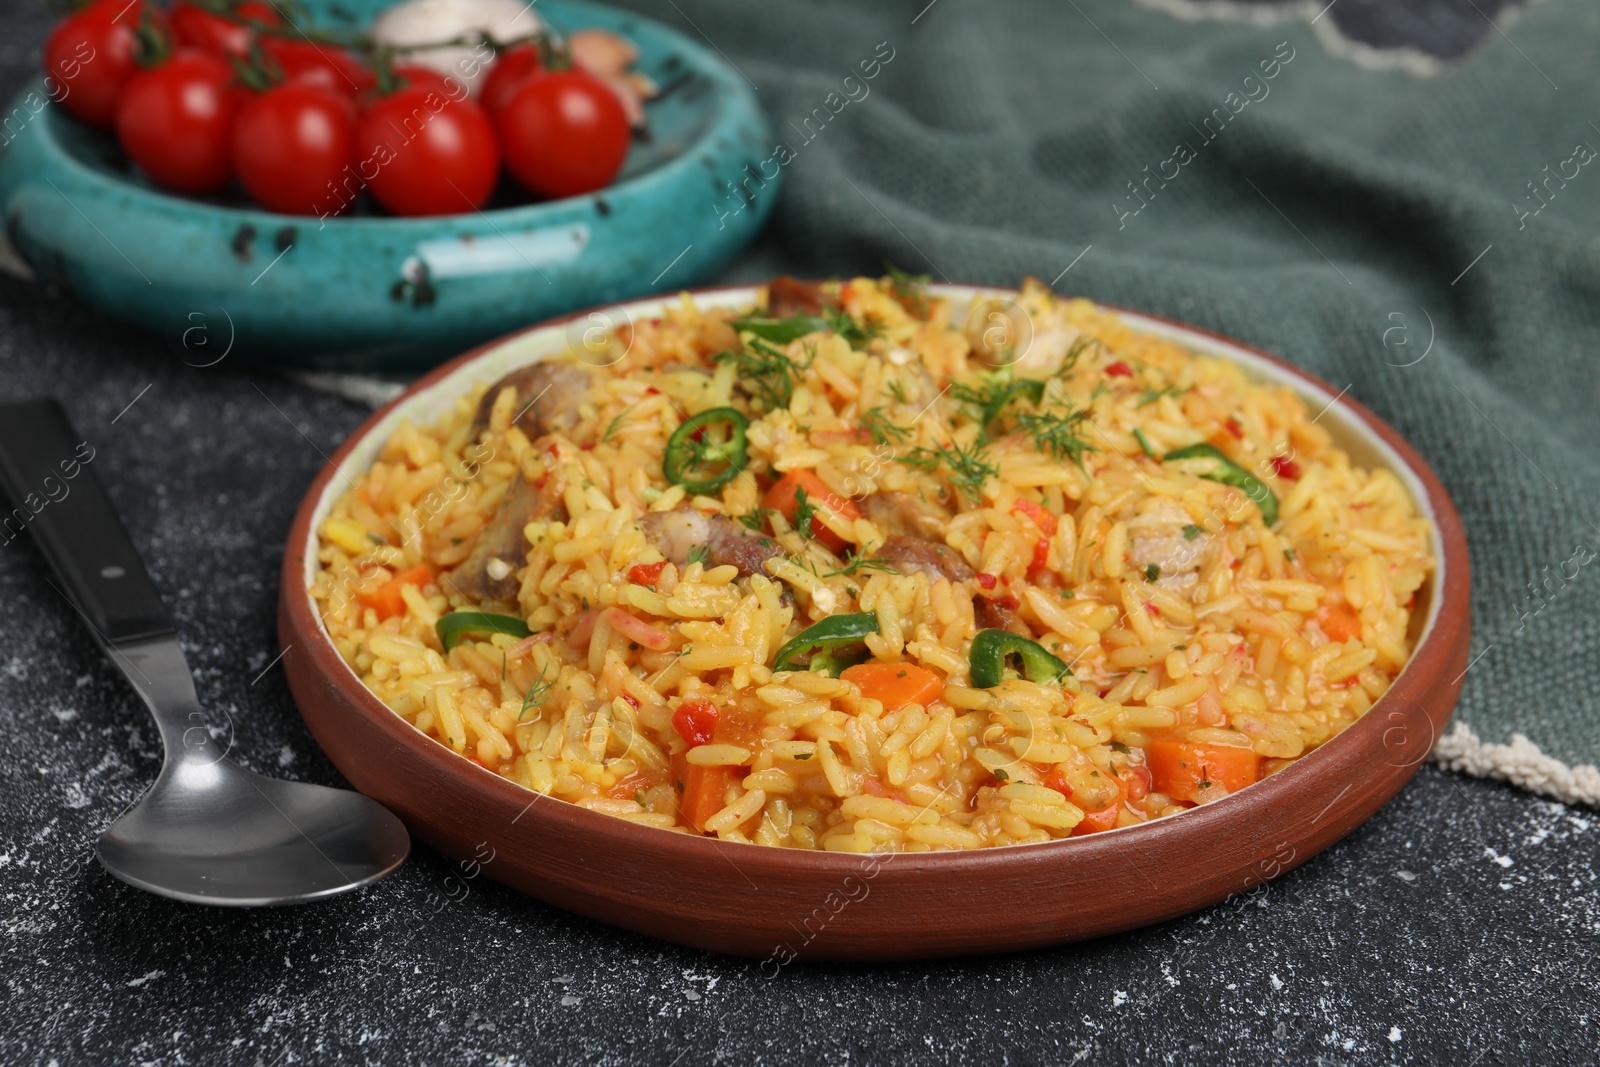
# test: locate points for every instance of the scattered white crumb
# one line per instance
(1394, 1034)
(1277, 983)
(152, 976)
(1504, 861)
(1405, 876)
(1119, 998)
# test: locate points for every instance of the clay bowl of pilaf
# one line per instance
(875, 620)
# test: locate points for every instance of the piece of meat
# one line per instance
(677, 533)
(918, 555)
(907, 515)
(788, 296)
(488, 577)
(1164, 537)
(992, 616)
(547, 398)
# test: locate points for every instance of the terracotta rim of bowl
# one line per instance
(1413, 712)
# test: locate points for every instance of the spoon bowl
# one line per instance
(215, 833)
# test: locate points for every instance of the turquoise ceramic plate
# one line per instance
(374, 293)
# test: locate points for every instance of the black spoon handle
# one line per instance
(46, 471)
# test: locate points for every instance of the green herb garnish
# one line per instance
(756, 518)
(612, 428)
(910, 289)
(968, 468)
(1150, 396)
(1144, 443)
(860, 562)
(881, 429)
(535, 695)
(988, 401)
(765, 373)
(1057, 433)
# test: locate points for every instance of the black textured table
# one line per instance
(1458, 926)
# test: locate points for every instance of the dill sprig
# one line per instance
(756, 518)
(1058, 433)
(968, 468)
(804, 509)
(1074, 353)
(985, 403)
(766, 373)
(616, 422)
(535, 695)
(860, 562)
(856, 333)
(697, 554)
(881, 429)
(897, 389)
(910, 289)
(1150, 396)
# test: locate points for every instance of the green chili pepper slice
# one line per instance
(781, 331)
(1032, 388)
(988, 660)
(824, 640)
(1230, 473)
(457, 626)
(687, 456)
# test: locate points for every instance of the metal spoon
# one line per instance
(208, 831)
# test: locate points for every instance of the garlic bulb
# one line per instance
(422, 21)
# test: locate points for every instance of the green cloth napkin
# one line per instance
(1429, 242)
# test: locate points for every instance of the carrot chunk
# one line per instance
(702, 790)
(386, 599)
(1340, 622)
(1095, 822)
(895, 684)
(1181, 769)
(784, 498)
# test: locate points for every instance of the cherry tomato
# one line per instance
(291, 146)
(199, 28)
(176, 121)
(319, 64)
(511, 68)
(91, 55)
(563, 133)
(423, 153)
(413, 76)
